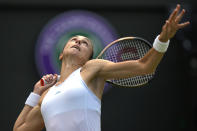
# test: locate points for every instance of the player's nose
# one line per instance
(78, 42)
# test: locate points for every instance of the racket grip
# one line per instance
(43, 81)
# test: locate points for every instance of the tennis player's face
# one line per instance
(80, 46)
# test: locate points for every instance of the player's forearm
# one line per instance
(151, 60)
(22, 117)
(29, 119)
(30, 116)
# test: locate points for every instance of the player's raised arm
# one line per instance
(148, 63)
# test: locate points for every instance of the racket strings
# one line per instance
(130, 49)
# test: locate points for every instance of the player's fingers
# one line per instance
(166, 26)
(55, 76)
(44, 77)
(179, 17)
(51, 83)
(50, 77)
(174, 13)
(167, 23)
(47, 77)
(183, 24)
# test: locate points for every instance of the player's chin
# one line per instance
(76, 54)
(73, 51)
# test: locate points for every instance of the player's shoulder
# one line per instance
(96, 63)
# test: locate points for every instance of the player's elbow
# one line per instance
(15, 128)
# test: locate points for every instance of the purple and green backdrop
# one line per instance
(57, 31)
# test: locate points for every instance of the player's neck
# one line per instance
(68, 68)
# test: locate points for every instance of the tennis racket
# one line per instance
(124, 49)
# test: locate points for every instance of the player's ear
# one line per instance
(61, 56)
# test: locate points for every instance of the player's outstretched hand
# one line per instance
(50, 79)
(173, 24)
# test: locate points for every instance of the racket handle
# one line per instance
(43, 81)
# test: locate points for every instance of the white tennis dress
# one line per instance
(71, 106)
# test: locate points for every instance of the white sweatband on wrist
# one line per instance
(33, 99)
(160, 46)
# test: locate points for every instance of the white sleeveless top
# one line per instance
(71, 106)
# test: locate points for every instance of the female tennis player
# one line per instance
(73, 102)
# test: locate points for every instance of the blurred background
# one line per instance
(168, 103)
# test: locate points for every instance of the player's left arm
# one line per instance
(148, 63)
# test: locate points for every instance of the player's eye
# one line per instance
(85, 43)
(73, 39)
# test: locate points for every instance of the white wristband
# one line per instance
(33, 99)
(160, 46)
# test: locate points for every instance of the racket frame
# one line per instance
(114, 42)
